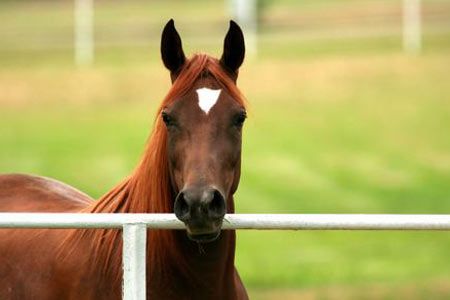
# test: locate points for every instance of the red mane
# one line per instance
(147, 189)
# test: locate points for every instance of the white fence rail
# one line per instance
(232, 221)
(135, 227)
(246, 13)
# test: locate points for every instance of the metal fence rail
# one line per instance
(135, 226)
(231, 221)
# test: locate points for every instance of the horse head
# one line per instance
(204, 130)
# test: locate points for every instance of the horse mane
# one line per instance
(148, 188)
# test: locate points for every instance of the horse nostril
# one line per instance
(217, 207)
(181, 207)
(199, 206)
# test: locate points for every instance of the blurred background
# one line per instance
(349, 112)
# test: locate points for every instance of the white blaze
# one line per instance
(207, 98)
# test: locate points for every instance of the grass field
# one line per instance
(335, 126)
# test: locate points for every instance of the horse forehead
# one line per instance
(207, 98)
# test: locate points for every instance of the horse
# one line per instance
(190, 167)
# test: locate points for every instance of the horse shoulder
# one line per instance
(33, 266)
(28, 193)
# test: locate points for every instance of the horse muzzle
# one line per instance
(202, 210)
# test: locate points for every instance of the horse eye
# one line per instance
(239, 119)
(167, 119)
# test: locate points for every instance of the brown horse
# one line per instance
(191, 167)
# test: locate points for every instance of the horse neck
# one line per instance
(212, 260)
(171, 256)
(208, 266)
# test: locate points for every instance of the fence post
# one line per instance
(134, 261)
(245, 13)
(412, 26)
(83, 35)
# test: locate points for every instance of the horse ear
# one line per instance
(233, 49)
(171, 49)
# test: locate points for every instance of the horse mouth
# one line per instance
(203, 237)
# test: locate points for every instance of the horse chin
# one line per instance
(204, 237)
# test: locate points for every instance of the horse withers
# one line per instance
(191, 167)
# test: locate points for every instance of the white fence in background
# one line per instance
(412, 26)
(245, 12)
(135, 227)
(84, 32)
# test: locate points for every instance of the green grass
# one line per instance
(335, 126)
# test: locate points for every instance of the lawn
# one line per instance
(335, 126)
